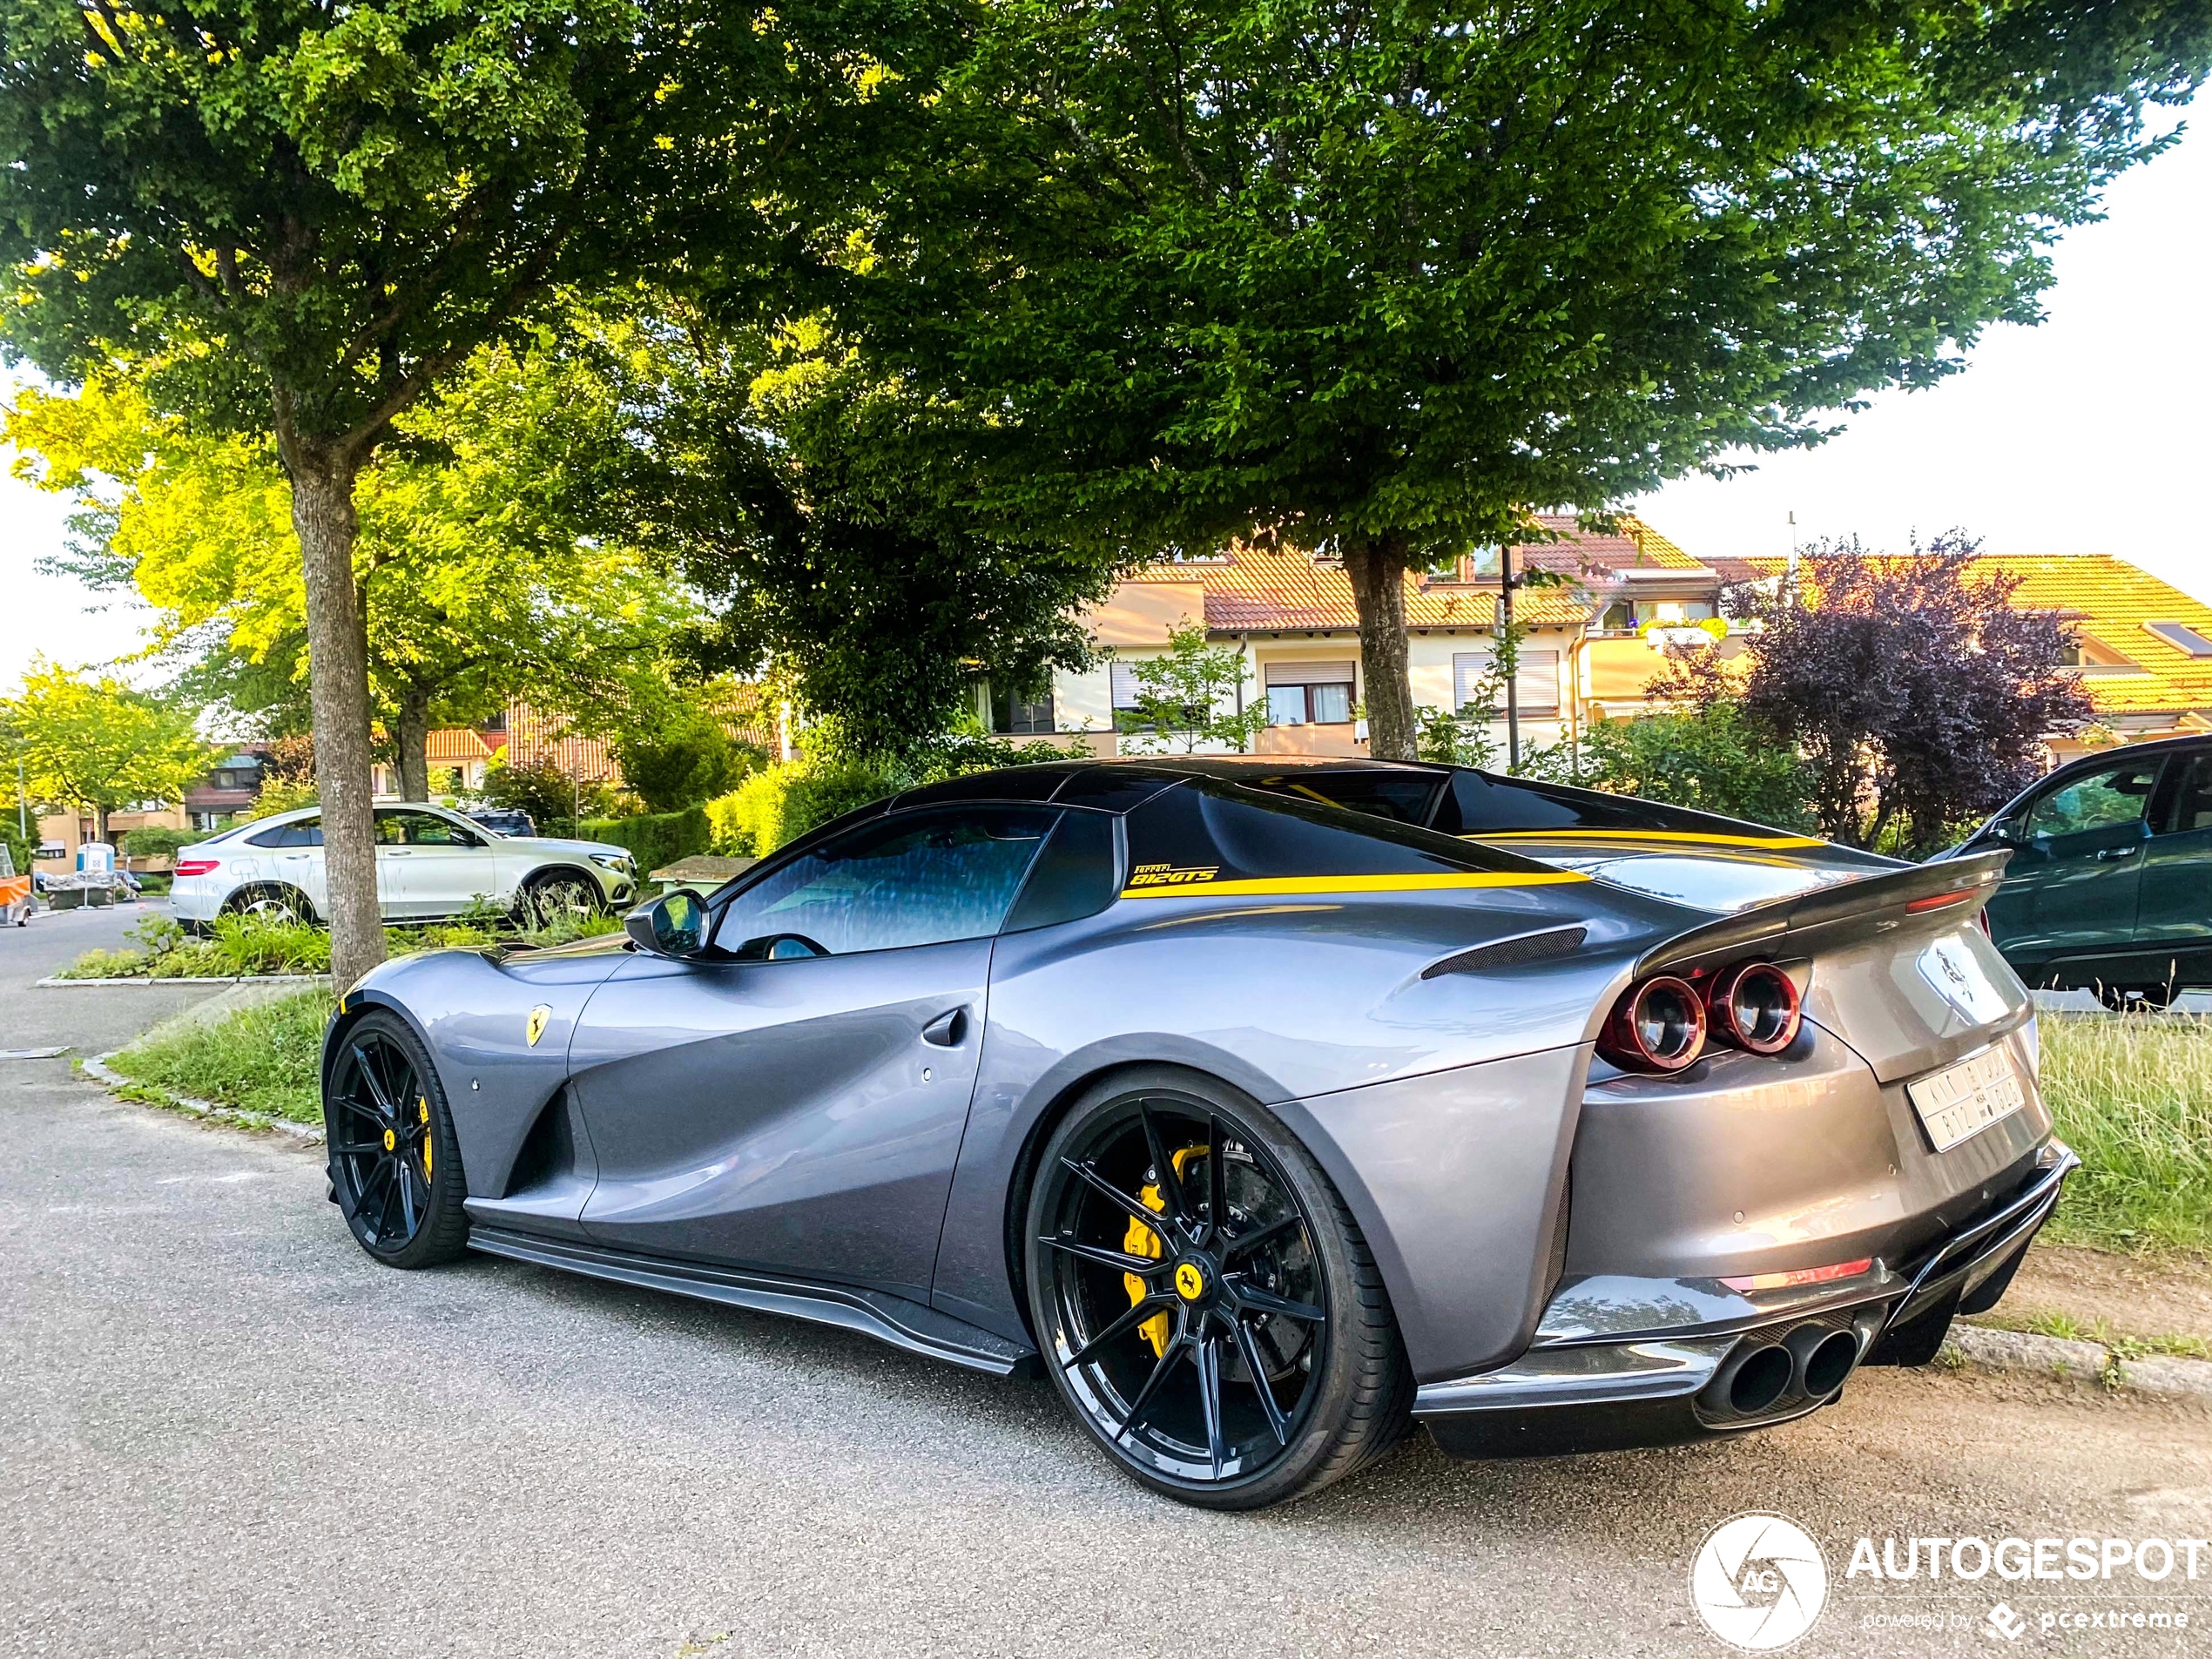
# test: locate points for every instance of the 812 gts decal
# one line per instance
(1167, 875)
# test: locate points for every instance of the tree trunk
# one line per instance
(322, 514)
(412, 739)
(1377, 568)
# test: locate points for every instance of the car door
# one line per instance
(442, 866)
(2174, 911)
(2080, 862)
(294, 857)
(794, 1102)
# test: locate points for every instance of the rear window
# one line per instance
(1213, 836)
(307, 832)
(1477, 804)
(1403, 797)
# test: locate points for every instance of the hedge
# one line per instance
(781, 803)
(655, 839)
(159, 841)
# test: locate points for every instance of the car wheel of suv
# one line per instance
(270, 904)
(557, 894)
(1205, 1301)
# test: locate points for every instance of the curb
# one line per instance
(52, 983)
(97, 1069)
(2167, 1375)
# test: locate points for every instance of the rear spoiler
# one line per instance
(1843, 914)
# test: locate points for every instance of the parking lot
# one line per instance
(231, 1433)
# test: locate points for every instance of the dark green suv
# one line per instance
(2110, 886)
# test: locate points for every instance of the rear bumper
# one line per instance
(1622, 1362)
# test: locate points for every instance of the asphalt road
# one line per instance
(229, 1432)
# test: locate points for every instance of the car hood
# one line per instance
(575, 849)
(1706, 872)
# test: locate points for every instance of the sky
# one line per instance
(2085, 434)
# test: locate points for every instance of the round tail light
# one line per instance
(1658, 1025)
(1754, 1007)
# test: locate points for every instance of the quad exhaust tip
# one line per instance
(1812, 1362)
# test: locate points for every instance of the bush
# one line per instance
(687, 763)
(654, 839)
(782, 803)
(157, 842)
(546, 792)
(1716, 759)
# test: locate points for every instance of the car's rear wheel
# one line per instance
(271, 902)
(559, 894)
(1203, 1299)
(395, 1162)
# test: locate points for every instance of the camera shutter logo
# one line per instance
(1758, 1583)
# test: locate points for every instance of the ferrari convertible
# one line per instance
(1266, 1108)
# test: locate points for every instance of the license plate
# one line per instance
(1961, 1100)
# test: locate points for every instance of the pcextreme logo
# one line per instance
(1758, 1581)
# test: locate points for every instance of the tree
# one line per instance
(829, 515)
(1180, 693)
(1386, 279)
(477, 576)
(304, 218)
(686, 760)
(101, 743)
(1711, 756)
(542, 790)
(1919, 695)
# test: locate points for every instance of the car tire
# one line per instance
(548, 892)
(1175, 1405)
(394, 1160)
(272, 901)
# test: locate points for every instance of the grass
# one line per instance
(263, 1059)
(2133, 1095)
(2127, 1346)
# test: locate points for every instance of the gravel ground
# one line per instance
(232, 1434)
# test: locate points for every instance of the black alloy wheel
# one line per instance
(394, 1164)
(1204, 1302)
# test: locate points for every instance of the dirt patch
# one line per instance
(2163, 1296)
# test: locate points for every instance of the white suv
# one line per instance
(430, 862)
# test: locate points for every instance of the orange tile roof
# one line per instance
(1280, 588)
(454, 746)
(2109, 601)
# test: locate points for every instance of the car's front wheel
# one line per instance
(1205, 1301)
(394, 1160)
(557, 895)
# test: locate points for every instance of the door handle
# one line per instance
(947, 1030)
(2112, 852)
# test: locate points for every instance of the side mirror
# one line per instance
(672, 925)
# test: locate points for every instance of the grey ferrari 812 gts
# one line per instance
(1267, 1108)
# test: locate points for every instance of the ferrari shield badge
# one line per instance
(539, 1016)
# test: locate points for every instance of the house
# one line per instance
(1290, 614)
(1595, 642)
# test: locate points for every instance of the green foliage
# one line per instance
(19, 848)
(2133, 1095)
(684, 760)
(99, 743)
(547, 793)
(655, 839)
(1180, 695)
(265, 1059)
(781, 803)
(1450, 740)
(239, 947)
(1715, 758)
(831, 517)
(158, 841)
(261, 945)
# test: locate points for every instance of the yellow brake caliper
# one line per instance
(1141, 1240)
(423, 1106)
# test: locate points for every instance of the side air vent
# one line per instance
(1510, 953)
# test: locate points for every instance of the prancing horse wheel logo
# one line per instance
(1190, 1282)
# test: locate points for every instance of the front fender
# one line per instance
(473, 1013)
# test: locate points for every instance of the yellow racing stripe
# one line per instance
(1693, 838)
(1281, 885)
